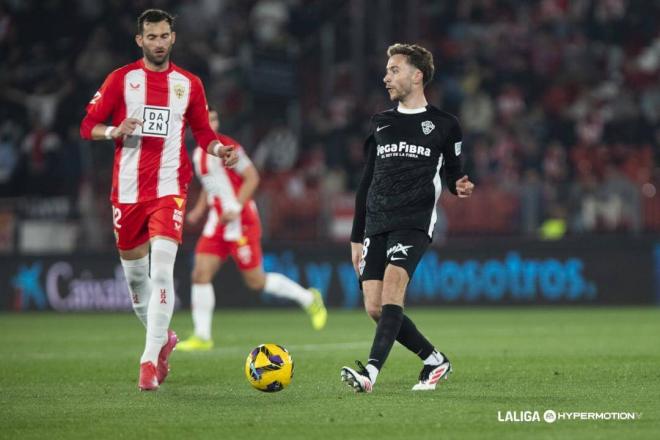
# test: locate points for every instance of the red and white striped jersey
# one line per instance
(222, 185)
(153, 162)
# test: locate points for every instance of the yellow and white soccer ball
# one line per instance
(269, 368)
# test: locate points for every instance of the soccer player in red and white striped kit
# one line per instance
(150, 102)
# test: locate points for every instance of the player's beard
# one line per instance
(157, 60)
(399, 94)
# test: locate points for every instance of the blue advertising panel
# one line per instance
(607, 272)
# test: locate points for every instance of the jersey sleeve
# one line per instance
(197, 115)
(359, 219)
(102, 105)
(452, 169)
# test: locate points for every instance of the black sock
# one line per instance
(388, 327)
(413, 340)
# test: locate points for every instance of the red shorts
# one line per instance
(136, 223)
(246, 252)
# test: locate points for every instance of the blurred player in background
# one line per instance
(149, 102)
(233, 229)
(410, 150)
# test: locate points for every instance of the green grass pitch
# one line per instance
(74, 376)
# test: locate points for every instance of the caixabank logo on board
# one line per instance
(61, 286)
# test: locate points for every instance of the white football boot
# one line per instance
(358, 380)
(431, 375)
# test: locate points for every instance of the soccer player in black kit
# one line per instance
(411, 149)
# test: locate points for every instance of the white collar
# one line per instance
(410, 111)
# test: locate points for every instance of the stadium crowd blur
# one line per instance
(559, 103)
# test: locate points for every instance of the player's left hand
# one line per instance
(464, 187)
(356, 257)
(195, 215)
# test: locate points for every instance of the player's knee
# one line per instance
(256, 284)
(373, 310)
(161, 276)
(200, 276)
(135, 283)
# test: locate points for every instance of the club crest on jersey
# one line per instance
(156, 121)
(179, 91)
(427, 127)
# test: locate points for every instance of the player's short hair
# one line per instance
(417, 56)
(154, 16)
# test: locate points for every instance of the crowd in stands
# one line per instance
(559, 103)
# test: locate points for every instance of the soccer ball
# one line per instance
(269, 368)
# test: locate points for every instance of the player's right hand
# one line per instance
(126, 128)
(356, 256)
(229, 216)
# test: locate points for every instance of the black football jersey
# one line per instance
(408, 157)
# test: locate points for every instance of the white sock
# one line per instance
(161, 303)
(373, 373)
(434, 358)
(281, 286)
(139, 285)
(202, 299)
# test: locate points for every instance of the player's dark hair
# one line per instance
(417, 56)
(154, 16)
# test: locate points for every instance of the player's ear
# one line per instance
(173, 37)
(138, 39)
(418, 76)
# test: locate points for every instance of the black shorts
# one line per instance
(403, 248)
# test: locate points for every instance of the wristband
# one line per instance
(216, 149)
(108, 131)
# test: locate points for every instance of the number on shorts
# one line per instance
(365, 250)
(116, 216)
(365, 247)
